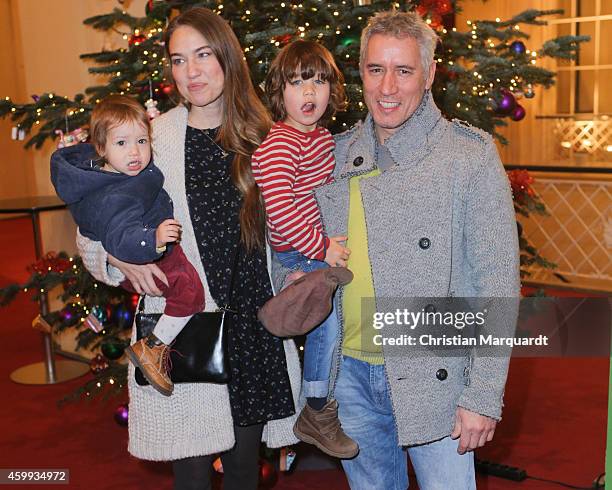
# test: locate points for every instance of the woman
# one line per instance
(203, 147)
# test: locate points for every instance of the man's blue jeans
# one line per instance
(366, 415)
(320, 342)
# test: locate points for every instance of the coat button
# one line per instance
(441, 374)
(424, 243)
(358, 161)
(143, 243)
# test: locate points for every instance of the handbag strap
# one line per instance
(230, 293)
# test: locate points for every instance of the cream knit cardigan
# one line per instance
(196, 420)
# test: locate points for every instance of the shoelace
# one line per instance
(166, 359)
(165, 363)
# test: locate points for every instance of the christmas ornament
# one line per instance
(443, 7)
(434, 10)
(151, 104)
(122, 414)
(267, 474)
(435, 19)
(96, 318)
(350, 39)
(51, 262)
(518, 47)
(79, 135)
(98, 364)
(152, 109)
(529, 93)
(284, 39)
(36, 98)
(520, 182)
(166, 88)
(113, 350)
(40, 324)
(69, 315)
(518, 113)
(17, 133)
(505, 103)
(123, 316)
(136, 39)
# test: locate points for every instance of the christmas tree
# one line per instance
(102, 314)
(481, 75)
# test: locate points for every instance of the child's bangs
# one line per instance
(307, 64)
(127, 115)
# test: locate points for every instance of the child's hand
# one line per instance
(168, 231)
(337, 255)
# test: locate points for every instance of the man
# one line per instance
(428, 211)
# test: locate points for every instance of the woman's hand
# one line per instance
(141, 276)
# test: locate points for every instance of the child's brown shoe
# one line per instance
(322, 428)
(151, 355)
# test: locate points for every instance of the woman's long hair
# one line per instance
(245, 121)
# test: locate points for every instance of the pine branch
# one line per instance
(106, 22)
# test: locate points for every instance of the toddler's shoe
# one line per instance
(151, 355)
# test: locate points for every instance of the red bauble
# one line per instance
(443, 7)
(166, 88)
(267, 474)
(284, 39)
(136, 39)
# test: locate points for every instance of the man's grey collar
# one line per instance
(408, 144)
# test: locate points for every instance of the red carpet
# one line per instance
(554, 423)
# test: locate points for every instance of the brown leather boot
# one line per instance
(151, 355)
(322, 428)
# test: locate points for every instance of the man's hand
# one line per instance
(337, 255)
(473, 429)
(168, 231)
(141, 276)
(294, 276)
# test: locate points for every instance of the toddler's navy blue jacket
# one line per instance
(119, 210)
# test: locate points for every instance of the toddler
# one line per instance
(115, 194)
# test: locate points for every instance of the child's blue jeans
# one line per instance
(321, 341)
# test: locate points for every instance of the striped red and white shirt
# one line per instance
(287, 167)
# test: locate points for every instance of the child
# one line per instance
(305, 89)
(116, 197)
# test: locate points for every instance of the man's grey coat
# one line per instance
(440, 223)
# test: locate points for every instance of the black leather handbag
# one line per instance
(199, 354)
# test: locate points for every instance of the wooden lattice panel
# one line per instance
(577, 233)
(587, 137)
